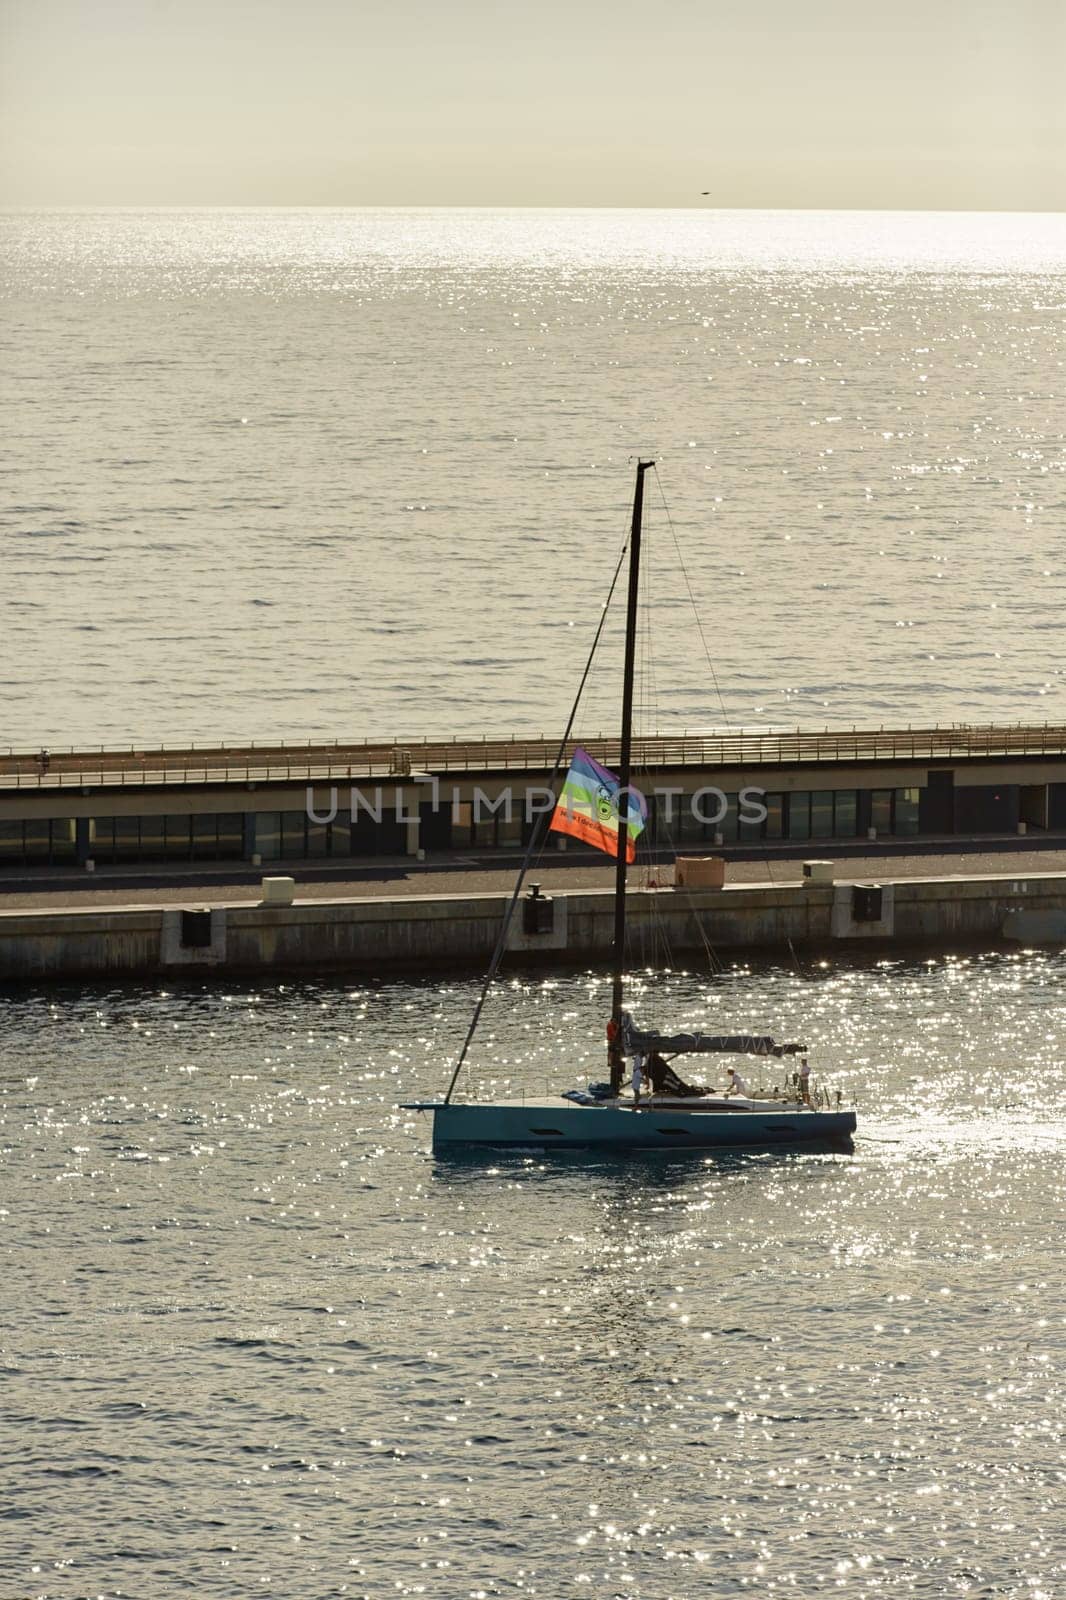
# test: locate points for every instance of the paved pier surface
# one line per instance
(233, 885)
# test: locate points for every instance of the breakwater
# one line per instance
(411, 933)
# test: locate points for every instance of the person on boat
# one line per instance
(805, 1081)
(615, 1059)
(658, 1072)
(637, 1082)
(664, 1080)
(737, 1084)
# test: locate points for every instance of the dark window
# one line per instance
(340, 834)
(509, 831)
(986, 808)
(230, 835)
(102, 839)
(10, 842)
(153, 838)
(127, 838)
(845, 814)
(822, 814)
(293, 835)
(729, 826)
(38, 841)
(64, 830)
(205, 838)
(461, 824)
(881, 810)
(268, 834)
(799, 816)
(905, 820)
(387, 837)
(178, 837)
(317, 839)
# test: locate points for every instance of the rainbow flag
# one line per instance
(588, 807)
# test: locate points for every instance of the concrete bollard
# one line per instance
(278, 891)
(817, 872)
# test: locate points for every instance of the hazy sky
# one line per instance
(911, 103)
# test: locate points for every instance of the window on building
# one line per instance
(509, 830)
(294, 826)
(102, 839)
(729, 826)
(230, 835)
(127, 846)
(845, 813)
(461, 820)
(881, 809)
(774, 825)
(340, 834)
(317, 839)
(178, 837)
(799, 816)
(153, 838)
(64, 835)
(38, 841)
(268, 834)
(822, 814)
(905, 820)
(204, 838)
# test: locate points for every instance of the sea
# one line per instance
(335, 474)
(291, 474)
(257, 1341)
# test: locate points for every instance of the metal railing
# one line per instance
(396, 760)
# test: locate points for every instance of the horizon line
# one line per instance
(454, 205)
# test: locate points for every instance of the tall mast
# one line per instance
(624, 767)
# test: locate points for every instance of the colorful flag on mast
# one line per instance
(588, 807)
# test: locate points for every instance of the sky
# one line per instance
(770, 103)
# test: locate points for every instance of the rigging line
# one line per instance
(660, 932)
(539, 833)
(717, 689)
(692, 597)
(714, 676)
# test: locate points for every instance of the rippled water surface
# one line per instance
(257, 1341)
(336, 473)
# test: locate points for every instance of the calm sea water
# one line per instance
(256, 1341)
(334, 473)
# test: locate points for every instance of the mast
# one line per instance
(624, 767)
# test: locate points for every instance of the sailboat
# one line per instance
(610, 1116)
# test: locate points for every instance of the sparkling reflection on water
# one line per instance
(257, 1341)
(346, 473)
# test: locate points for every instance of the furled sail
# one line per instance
(642, 1041)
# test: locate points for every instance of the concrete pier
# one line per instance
(415, 932)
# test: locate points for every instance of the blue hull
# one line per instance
(567, 1127)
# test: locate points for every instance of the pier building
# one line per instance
(327, 802)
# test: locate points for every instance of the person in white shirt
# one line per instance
(805, 1081)
(638, 1077)
(737, 1084)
